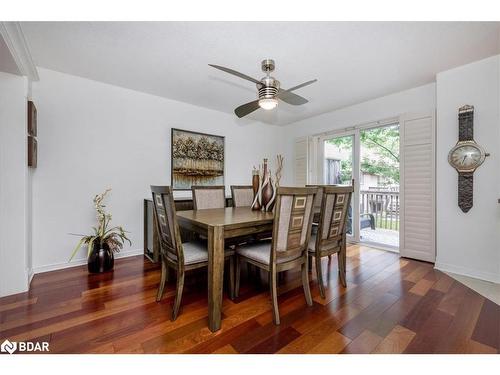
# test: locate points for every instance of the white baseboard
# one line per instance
(30, 274)
(459, 270)
(80, 262)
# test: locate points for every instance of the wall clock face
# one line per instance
(466, 156)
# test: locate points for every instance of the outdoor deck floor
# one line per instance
(386, 237)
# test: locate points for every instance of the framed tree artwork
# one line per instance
(197, 159)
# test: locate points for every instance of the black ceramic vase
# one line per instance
(101, 258)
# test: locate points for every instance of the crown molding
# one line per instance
(18, 47)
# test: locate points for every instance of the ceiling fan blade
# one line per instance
(247, 108)
(302, 85)
(235, 73)
(289, 97)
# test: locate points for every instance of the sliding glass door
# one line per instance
(379, 186)
(369, 156)
(338, 160)
(337, 157)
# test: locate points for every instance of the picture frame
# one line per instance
(32, 152)
(196, 158)
(32, 119)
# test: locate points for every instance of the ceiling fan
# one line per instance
(268, 90)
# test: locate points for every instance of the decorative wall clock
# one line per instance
(466, 156)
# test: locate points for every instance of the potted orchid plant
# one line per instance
(104, 241)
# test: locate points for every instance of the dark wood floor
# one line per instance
(391, 305)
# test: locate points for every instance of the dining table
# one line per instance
(218, 225)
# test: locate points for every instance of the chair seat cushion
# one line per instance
(196, 252)
(312, 245)
(260, 252)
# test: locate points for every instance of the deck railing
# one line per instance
(383, 205)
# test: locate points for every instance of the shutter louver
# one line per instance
(300, 162)
(417, 233)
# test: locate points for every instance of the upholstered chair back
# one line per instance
(318, 198)
(205, 197)
(167, 227)
(242, 196)
(292, 221)
(333, 219)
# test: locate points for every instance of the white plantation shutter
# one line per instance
(417, 212)
(314, 167)
(300, 161)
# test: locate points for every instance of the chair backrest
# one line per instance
(167, 227)
(242, 196)
(292, 221)
(333, 217)
(318, 197)
(205, 197)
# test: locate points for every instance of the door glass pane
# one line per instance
(337, 165)
(379, 185)
(338, 160)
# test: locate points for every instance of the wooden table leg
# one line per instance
(215, 275)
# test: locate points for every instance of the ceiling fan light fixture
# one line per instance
(268, 103)
(268, 90)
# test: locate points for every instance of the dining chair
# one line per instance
(318, 198)
(205, 197)
(331, 235)
(317, 209)
(177, 255)
(288, 248)
(242, 195)
(317, 201)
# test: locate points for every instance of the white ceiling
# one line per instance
(7, 63)
(353, 61)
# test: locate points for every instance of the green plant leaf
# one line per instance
(129, 242)
(90, 244)
(109, 231)
(80, 243)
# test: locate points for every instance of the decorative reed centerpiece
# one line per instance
(265, 186)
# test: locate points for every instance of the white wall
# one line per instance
(14, 186)
(469, 243)
(418, 99)
(92, 136)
